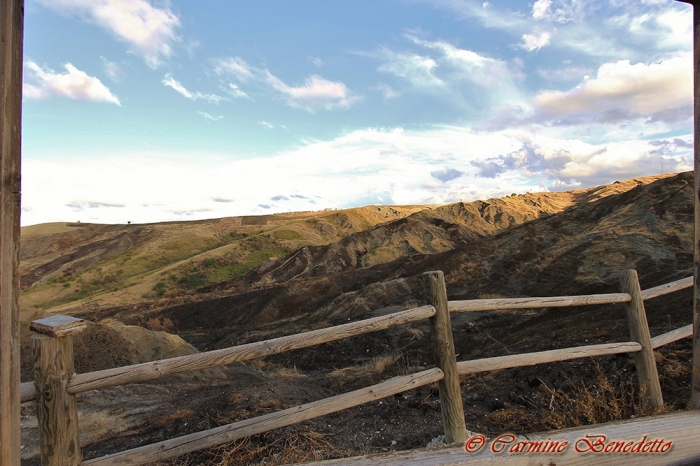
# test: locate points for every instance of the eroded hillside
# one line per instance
(152, 291)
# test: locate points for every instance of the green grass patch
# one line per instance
(286, 234)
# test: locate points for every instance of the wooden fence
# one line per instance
(55, 384)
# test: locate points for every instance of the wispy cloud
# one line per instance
(388, 91)
(235, 91)
(151, 31)
(179, 88)
(316, 92)
(560, 11)
(44, 83)
(112, 70)
(316, 61)
(266, 124)
(82, 205)
(210, 117)
(236, 67)
(417, 69)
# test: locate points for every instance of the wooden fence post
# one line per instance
(11, 46)
(56, 410)
(444, 354)
(639, 332)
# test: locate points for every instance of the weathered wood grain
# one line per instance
(474, 305)
(444, 356)
(161, 368)
(59, 441)
(57, 325)
(667, 288)
(542, 357)
(11, 61)
(683, 429)
(695, 383)
(673, 335)
(639, 332)
(228, 433)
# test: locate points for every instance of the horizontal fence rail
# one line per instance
(230, 432)
(152, 370)
(673, 335)
(541, 357)
(475, 305)
(667, 288)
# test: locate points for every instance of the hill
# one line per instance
(229, 281)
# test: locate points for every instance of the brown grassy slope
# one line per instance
(644, 224)
(69, 265)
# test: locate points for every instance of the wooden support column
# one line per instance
(695, 386)
(639, 332)
(11, 35)
(444, 354)
(56, 410)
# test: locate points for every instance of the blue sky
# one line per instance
(148, 111)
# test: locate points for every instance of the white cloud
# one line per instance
(388, 91)
(316, 61)
(235, 91)
(439, 165)
(316, 92)
(540, 8)
(532, 42)
(560, 11)
(151, 31)
(112, 70)
(180, 89)
(40, 83)
(210, 117)
(417, 69)
(235, 66)
(622, 91)
(446, 70)
(266, 124)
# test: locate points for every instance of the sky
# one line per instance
(152, 110)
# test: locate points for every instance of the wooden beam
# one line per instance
(152, 370)
(543, 357)
(475, 305)
(673, 335)
(11, 48)
(639, 331)
(444, 355)
(56, 410)
(667, 288)
(695, 385)
(230, 432)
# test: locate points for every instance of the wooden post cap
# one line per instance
(58, 325)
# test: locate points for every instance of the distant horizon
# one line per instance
(335, 209)
(152, 111)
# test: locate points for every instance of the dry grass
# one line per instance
(375, 366)
(415, 333)
(271, 369)
(582, 404)
(290, 445)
